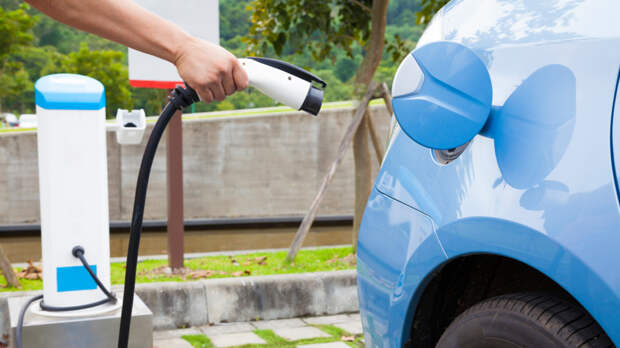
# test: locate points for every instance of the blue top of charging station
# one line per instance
(69, 92)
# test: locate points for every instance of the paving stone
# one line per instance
(278, 324)
(172, 343)
(300, 333)
(353, 327)
(355, 316)
(167, 334)
(236, 339)
(327, 320)
(226, 328)
(325, 345)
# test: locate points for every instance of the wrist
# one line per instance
(179, 47)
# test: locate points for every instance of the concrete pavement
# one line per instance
(336, 331)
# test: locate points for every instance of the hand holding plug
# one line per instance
(210, 69)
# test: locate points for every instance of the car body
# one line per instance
(9, 119)
(531, 203)
(28, 121)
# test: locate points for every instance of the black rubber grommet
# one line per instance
(77, 250)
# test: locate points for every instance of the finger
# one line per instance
(240, 77)
(206, 95)
(218, 91)
(229, 84)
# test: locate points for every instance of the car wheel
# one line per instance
(524, 320)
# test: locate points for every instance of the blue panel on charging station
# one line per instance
(75, 278)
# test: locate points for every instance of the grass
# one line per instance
(275, 341)
(15, 130)
(199, 341)
(309, 260)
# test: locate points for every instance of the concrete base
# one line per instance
(94, 331)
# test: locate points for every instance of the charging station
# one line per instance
(75, 233)
(73, 184)
(74, 206)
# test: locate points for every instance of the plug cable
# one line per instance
(78, 252)
(180, 99)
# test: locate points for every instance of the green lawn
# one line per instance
(275, 341)
(260, 263)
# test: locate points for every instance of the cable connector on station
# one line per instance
(77, 251)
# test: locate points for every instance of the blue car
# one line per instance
(494, 220)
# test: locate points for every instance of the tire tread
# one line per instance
(566, 320)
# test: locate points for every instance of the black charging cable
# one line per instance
(78, 252)
(180, 98)
(20, 320)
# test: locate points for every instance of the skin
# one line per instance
(210, 69)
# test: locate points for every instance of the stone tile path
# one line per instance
(326, 345)
(300, 333)
(235, 334)
(235, 339)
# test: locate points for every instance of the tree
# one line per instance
(106, 66)
(428, 10)
(320, 26)
(15, 34)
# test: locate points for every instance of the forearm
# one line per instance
(121, 21)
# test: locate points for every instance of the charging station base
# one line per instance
(100, 331)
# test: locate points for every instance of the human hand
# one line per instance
(210, 70)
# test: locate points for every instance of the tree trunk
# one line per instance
(304, 228)
(376, 143)
(365, 73)
(7, 270)
(374, 49)
(361, 156)
(387, 97)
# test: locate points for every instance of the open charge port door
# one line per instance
(615, 138)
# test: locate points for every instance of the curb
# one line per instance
(185, 304)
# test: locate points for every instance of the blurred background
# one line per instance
(33, 45)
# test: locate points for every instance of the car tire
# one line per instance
(524, 320)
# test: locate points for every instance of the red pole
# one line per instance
(174, 173)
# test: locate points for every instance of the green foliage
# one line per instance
(329, 34)
(233, 19)
(106, 66)
(15, 30)
(15, 82)
(10, 5)
(32, 46)
(334, 30)
(428, 9)
(315, 25)
(15, 35)
(65, 39)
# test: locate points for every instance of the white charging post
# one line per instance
(73, 183)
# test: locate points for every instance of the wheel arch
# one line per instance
(478, 261)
